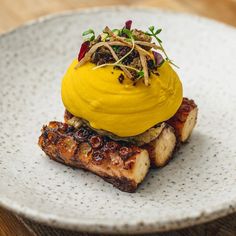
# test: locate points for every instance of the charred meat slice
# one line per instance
(162, 148)
(125, 166)
(184, 120)
(137, 140)
(160, 141)
(178, 130)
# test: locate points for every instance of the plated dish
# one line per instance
(196, 186)
(124, 108)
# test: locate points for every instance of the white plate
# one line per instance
(197, 186)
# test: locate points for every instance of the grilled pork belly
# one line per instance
(184, 120)
(125, 166)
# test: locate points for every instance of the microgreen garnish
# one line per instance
(127, 32)
(118, 62)
(128, 24)
(116, 48)
(130, 50)
(116, 32)
(89, 33)
(140, 73)
(130, 37)
(154, 33)
(83, 49)
(104, 36)
(158, 58)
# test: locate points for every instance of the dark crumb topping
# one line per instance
(121, 78)
(130, 50)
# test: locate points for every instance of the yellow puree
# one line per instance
(123, 109)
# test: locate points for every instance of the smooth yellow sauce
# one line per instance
(123, 109)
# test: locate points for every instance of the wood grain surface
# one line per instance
(16, 12)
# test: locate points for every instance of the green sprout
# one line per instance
(154, 33)
(89, 33)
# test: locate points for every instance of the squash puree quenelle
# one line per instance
(121, 108)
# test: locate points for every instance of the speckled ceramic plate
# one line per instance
(197, 186)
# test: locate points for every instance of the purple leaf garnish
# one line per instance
(83, 49)
(158, 58)
(128, 24)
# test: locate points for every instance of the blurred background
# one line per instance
(15, 12)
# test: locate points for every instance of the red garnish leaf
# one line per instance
(158, 58)
(83, 49)
(128, 24)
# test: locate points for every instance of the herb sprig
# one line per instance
(90, 33)
(149, 58)
(154, 33)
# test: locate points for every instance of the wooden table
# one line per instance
(14, 13)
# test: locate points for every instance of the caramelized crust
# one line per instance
(162, 148)
(122, 164)
(67, 115)
(184, 120)
(176, 130)
(119, 163)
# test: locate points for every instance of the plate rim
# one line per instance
(201, 216)
(137, 228)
